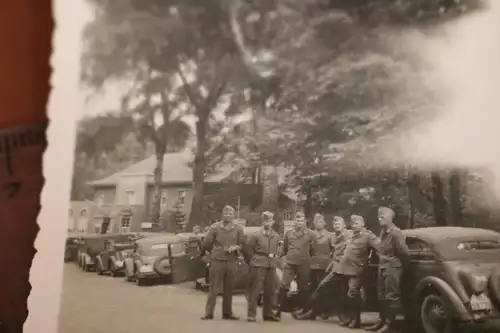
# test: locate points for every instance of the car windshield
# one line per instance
(471, 249)
(153, 250)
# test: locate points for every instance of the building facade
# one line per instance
(122, 200)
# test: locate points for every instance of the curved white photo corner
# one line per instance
(46, 274)
(64, 105)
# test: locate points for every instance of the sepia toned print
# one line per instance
(241, 163)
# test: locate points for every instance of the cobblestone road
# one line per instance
(99, 304)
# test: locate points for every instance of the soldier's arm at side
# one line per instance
(402, 251)
(285, 245)
(249, 248)
(208, 242)
(374, 242)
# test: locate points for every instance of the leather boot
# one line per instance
(308, 315)
(355, 313)
(282, 294)
(388, 327)
(381, 320)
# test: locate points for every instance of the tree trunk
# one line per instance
(308, 205)
(155, 207)
(196, 215)
(412, 182)
(439, 201)
(455, 184)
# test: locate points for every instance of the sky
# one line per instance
(71, 19)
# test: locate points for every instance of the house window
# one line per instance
(163, 197)
(125, 223)
(100, 198)
(131, 197)
(83, 213)
(181, 197)
(288, 215)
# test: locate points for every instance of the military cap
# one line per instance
(319, 216)
(386, 211)
(357, 218)
(266, 216)
(228, 208)
(338, 219)
(299, 215)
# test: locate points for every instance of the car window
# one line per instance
(161, 249)
(416, 245)
(482, 245)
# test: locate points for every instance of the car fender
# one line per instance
(138, 263)
(86, 259)
(113, 261)
(99, 262)
(129, 266)
(494, 286)
(451, 300)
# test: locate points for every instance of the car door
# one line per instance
(105, 256)
(183, 263)
(423, 262)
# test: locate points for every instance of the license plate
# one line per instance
(480, 302)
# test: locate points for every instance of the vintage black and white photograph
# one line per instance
(283, 166)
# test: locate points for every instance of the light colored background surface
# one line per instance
(469, 66)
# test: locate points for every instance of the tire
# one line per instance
(160, 268)
(344, 318)
(494, 286)
(433, 316)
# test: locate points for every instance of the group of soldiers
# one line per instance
(322, 263)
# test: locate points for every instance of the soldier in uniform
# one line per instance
(318, 303)
(322, 249)
(297, 248)
(393, 256)
(224, 241)
(262, 249)
(352, 264)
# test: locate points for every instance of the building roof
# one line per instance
(176, 169)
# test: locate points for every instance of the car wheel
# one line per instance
(344, 318)
(139, 282)
(434, 317)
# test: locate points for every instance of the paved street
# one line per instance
(98, 304)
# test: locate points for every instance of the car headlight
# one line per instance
(146, 269)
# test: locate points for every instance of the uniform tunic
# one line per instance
(297, 248)
(353, 261)
(262, 247)
(393, 255)
(322, 249)
(223, 265)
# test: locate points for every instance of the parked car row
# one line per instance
(453, 279)
(143, 258)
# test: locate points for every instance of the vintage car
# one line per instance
(110, 260)
(169, 257)
(453, 279)
(71, 248)
(92, 245)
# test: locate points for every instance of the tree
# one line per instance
(104, 145)
(133, 56)
(188, 41)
